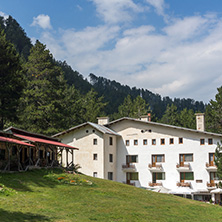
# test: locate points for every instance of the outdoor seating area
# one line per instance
(21, 150)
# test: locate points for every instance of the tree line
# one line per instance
(43, 95)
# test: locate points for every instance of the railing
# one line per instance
(210, 165)
(129, 183)
(129, 166)
(157, 166)
(184, 165)
(155, 184)
(183, 184)
(212, 184)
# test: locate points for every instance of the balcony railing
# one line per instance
(155, 167)
(212, 185)
(183, 166)
(155, 184)
(211, 167)
(183, 184)
(130, 167)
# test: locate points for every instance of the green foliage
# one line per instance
(12, 81)
(133, 108)
(214, 113)
(91, 106)
(184, 118)
(44, 95)
(218, 159)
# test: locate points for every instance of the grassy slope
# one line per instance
(43, 198)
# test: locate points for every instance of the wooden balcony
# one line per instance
(211, 167)
(130, 167)
(155, 167)
(130, 183)
(183, 184)
(155, 184)
(183, 167)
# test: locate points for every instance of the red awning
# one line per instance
(10, 140)
(39, 140)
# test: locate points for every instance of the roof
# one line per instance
(101, 128)
(163, 125)
(15, 130)
(10, 140)
(39, 140)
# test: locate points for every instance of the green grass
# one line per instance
(38, 195)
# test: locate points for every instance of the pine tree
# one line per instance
(12, 81)
(44, 96)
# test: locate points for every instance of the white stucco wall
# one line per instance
(131, 130)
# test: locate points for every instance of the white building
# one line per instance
(147, 154)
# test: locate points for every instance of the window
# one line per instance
(202, 141)
(94, 141)
(213, 176)
(132, 159)
(162, 141)
(186, 158)
(171, 141)
(110, 175)
(153, 141)
(95, 156)
(132, 176)
(180, 140)
(110, 158)
(135, 142)
(87, 131)
(158, 158)
(127, 143)
(2, 154)
(186, 176)
(210, 141)
(110, 141)
(144, 142)
(95, 174)
(158, 176)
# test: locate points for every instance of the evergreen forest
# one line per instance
(43, 95)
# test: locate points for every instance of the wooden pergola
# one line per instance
(28, 150)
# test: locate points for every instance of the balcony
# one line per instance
(212, 185)
(183, 167)
(211, 167)
(130, 167)
(183, 184)
(155, 167)
(155, 184)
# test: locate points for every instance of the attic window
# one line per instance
(93, 131)
(87, 131)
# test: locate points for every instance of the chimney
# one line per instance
(103, 120)
(146, 118)
(200, 122)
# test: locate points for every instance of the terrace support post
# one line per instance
(72, 157)
(18, 155)
(38, 155)
(67, 158)
(61, 150)
(7, 167)
(46, 155)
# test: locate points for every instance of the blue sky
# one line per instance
(170, 47)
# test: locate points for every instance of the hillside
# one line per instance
(113, 92)
(51, 195)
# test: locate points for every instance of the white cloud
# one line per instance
(183, 60)
(114, 11)
(42, 21)
(159, 5)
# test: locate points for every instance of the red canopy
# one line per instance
(10, 140)
(39, 140)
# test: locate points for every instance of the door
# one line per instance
(127, 178)
(211, 159)
(182, 159)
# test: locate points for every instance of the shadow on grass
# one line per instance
(7, 216)
(21, 181)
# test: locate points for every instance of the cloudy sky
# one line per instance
(171, 47)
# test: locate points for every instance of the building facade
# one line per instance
(148, 154)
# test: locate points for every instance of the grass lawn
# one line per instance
(39, 195)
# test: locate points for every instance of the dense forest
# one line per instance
(41, 94)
